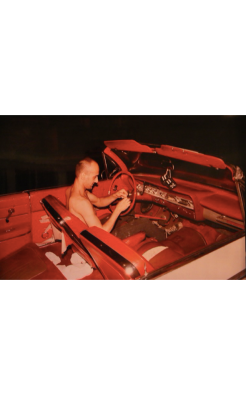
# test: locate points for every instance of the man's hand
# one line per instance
(106, 200)
(123, 205)
(120, 194)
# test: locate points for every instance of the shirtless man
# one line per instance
(80, 201)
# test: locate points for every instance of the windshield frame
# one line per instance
(141, 163)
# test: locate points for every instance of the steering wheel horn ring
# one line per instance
(131, 193)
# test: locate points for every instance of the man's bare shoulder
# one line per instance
(77, 200)
(83, 209)
(80, 207)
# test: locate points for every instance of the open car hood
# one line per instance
(169, 151)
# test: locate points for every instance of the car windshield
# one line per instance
(151, 163)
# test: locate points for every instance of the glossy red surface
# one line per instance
(133, 241)
(169, 151)
(223, 203)
(191, 156)
(118, 245)
(128, 145)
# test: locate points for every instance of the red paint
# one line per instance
(167, 150)
(112, 155)
(191, 156)
(128, 145)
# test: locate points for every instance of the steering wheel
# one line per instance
(126, 181)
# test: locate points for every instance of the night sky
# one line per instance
(41, 151)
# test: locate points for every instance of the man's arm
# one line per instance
(107, 200)
(86, 211)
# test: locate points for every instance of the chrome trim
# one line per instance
(211, 215)
(150, 190)
(111, 253)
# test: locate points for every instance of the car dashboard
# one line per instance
(163, 197)
(194, 202)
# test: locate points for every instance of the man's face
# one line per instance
(90, 176)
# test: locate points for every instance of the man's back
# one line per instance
(76, 203)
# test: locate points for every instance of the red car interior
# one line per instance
(192, 215)
(34, 264)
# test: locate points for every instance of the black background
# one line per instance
(42, 151)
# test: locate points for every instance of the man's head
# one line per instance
(87, 172)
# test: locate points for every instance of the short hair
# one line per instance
(81, 166)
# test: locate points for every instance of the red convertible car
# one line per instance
(195, 200)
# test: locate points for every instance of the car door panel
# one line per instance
(15, 229)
